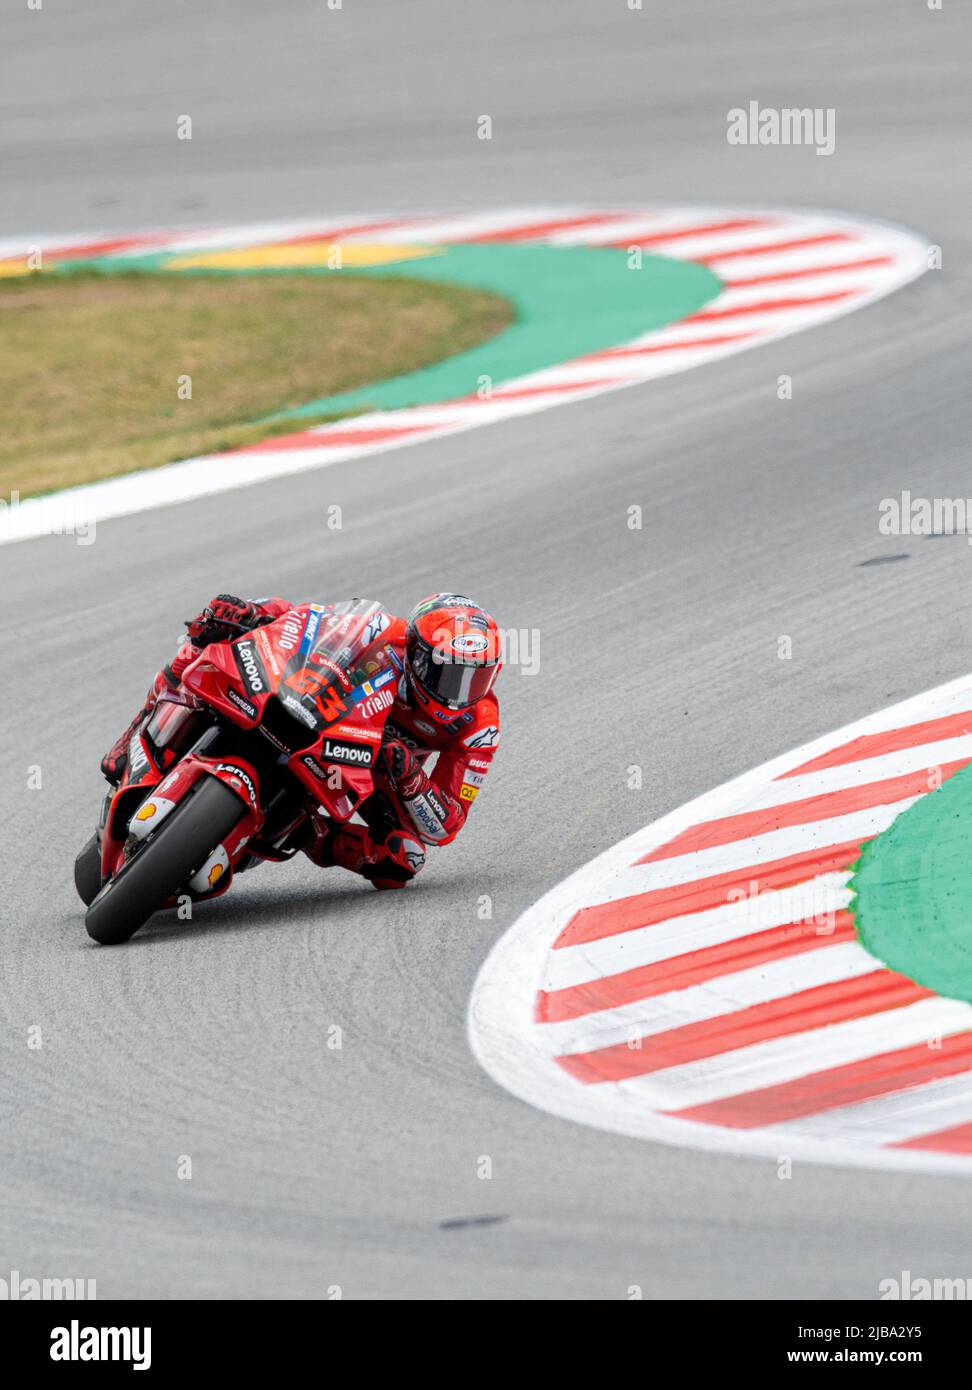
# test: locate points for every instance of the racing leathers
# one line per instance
(411, 807)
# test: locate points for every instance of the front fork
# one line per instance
(155, 803)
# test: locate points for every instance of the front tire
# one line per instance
(184, 840)
(87, 871)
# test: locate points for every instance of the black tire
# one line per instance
(182, 842)
(87, 871)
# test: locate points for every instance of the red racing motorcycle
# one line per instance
(271, 737)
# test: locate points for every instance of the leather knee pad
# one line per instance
(403, 858)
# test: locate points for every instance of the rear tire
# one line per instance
(184, 840)
(87, 871)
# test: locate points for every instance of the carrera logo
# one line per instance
(340, 751)
(247, 662)
(241, 704)
(314, 767)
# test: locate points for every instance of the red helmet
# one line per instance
(452, 654)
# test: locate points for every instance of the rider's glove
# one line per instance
(224, 616)
(404, 770)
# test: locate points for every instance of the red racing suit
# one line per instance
(389, 849)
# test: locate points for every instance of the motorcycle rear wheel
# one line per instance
(183, 841)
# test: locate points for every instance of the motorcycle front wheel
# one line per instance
(158, 870)
(87, 870)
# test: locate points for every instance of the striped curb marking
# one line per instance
(702, 982)
(779, 272)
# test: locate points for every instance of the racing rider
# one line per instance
(449, 648)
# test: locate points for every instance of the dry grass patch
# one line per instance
(92, 362)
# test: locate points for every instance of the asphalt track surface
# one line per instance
(315, 1167)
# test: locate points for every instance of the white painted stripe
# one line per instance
(698, 931)
(712, 245)
(629, 227)
(801, 1054)
(459, 227)
(219, 238)
(743, 854)
(923, 757)
(775, 322)
(905, 1114)
(817, 258)
(716, 998)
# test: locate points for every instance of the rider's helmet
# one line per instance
(452, 654)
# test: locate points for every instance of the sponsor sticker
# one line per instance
(314, 767)
(137, 758)
(373, 706)
(242, 777)
(249, 710)
(333, 667)
(468, 793)
(352, 731)
(268, 654)
(338, 750)
(424, 818)
(469, 643)
(291, 629)
(248, 666)
(483, 738)
(300, 710)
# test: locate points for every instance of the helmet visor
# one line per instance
(452, 683)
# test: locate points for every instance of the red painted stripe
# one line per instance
(844, 1085)
(771, 277)
(735, 224)
(692, 968)
(538, 229)
(553, 389)
(332, 439)
(645, 909)
(639, 350)
(888, 741)
(737, 253)
(87, 249)
(777, 1018)
(332, 234)
(725, 830)
(769, 306)
(956, 1140)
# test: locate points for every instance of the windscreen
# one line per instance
(340, 657)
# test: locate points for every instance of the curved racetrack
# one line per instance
(314, 1166)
